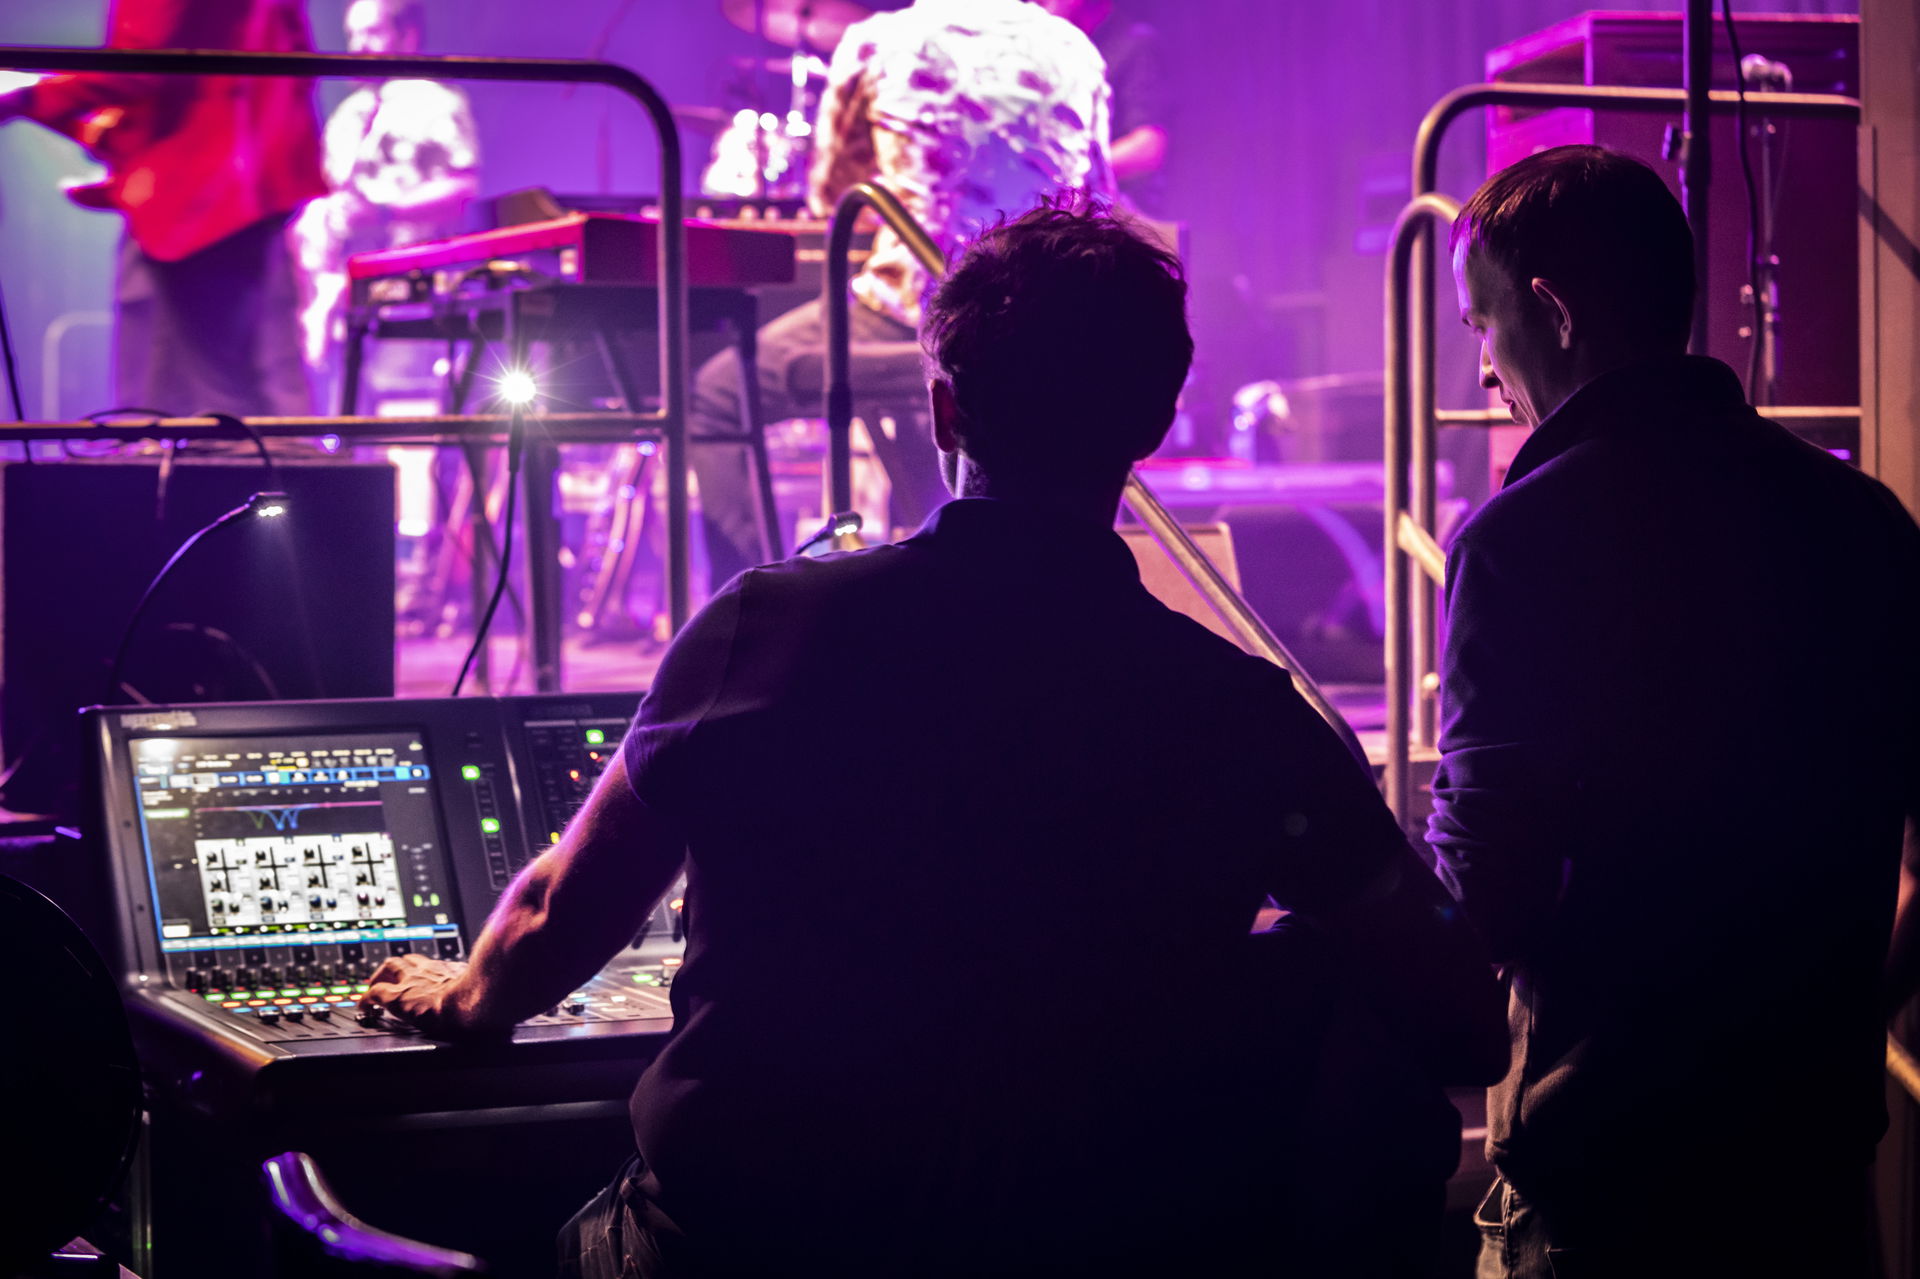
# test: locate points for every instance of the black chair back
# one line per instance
(68, 1074)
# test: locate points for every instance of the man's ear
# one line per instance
(946, 416)
(1549, 296)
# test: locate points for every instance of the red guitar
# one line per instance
(190, 159)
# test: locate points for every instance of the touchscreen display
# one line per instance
(292, 840)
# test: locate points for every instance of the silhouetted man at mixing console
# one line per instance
(1680, 706)
(975, 831)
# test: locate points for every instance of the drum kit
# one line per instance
(760, 153)
(759, 160)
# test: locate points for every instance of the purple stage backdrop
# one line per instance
(1291, 125)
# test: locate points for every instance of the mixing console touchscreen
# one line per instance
(270, 855)
(290, 840)
(279, 866)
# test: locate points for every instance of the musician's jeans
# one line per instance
(725, 471)
(216, 331)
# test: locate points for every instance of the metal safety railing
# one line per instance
(669, 424)
(1412, 419)
(836, 278)
(1902, 1066)
(1234, 612)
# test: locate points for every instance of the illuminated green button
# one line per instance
(490, 825)
(470, 772)
(339, 990)
(596, 736)
(316, 990)
(290, 990)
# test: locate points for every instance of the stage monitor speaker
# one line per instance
(260, 610)
(1167, 582)
(1310, 572)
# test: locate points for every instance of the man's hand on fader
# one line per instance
(424, 993)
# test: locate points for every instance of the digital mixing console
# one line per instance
(269, 856)
(263, 858)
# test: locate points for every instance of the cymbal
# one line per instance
(821, 22)
(702, 117)
(781, 66)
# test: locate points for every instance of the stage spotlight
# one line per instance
(517, 387)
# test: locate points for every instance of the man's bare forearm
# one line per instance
(557, 924)
(1139, 152)
(521, 964)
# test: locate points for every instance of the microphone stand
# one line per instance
(1766, 75)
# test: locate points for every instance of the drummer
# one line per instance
(963, 109)
(1140, 100)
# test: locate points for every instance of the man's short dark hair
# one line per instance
(1063, 333)
(1600, 224)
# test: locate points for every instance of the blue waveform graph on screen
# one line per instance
(285, 817)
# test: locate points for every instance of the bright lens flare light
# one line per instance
(270, 511)
(517, 387)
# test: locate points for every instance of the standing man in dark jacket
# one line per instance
(1679, 741)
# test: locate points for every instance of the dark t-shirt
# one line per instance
(1139, 87)
(1680, 734)
(977, 829)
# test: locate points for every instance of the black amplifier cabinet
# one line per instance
(300, 607)
(264, 857)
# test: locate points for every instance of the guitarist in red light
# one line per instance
(206, 171)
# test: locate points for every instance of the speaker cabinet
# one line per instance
(1810, 163)
(263, 609)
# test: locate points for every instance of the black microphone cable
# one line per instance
(516, 445)
(239, 426)
(13, 370)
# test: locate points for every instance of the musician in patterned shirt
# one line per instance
(964, 109)
(402, 161)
